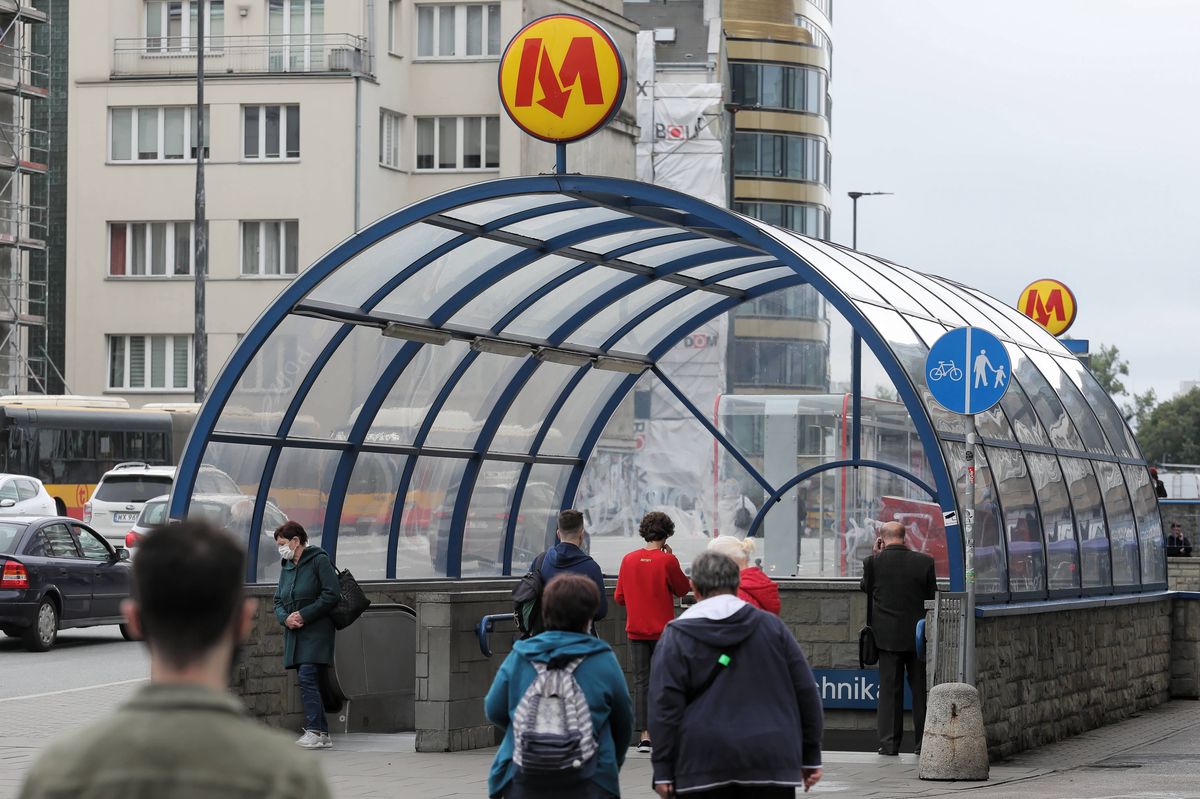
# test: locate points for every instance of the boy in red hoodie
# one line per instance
(755, 586)
(647, 584)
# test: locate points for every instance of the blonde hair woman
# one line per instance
(755, 586)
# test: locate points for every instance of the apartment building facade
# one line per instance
(322, 116)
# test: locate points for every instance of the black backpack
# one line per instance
(527, 599)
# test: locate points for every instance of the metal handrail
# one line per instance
(250, 54)
(485, 627)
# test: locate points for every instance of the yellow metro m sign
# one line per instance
(1049, 303)
(561, 78)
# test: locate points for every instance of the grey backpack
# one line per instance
(554, 741)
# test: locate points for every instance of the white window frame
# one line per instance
(393, 21)
(146, 349)
(460, 143)
(260, 272)
(389, 157)
(185, 45)
(171, 237)
(314, 52)
(135, 111)
(460, 32)
(262, 133)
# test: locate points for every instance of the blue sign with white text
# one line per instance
(968, 370)
(856, 689)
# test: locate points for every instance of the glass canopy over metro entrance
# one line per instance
(427, 396)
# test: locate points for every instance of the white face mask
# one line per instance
(285, 552)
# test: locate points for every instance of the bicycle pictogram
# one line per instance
(945, 369)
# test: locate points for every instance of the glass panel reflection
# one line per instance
(538, 518)
(243, 464)
(658, 256)
(1022, 526)
(608, 320)
(361, 276)
(489, 307)
(551, 311)
(266, 388)
(429, 508)
(575, 419)
(1062, 548)
(617, 241)
(300, 489)
(473, 400)
(1081, 413)
(548, 226)
(367, 518)
(1111, 420)
(525, 416)
(650, 333)
(1149, 523)
(345, 381)
(1088, 503)
(487, 519)
(1122, 530)
(481, 213)
(1045, 400)
(422, 294)
(991, 567)
(409, 400)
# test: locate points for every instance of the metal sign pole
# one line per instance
(968, 527)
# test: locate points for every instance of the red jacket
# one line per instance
(759, 590)
(647, 584)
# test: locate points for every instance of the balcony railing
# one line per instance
(171, 56)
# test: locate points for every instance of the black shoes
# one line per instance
(887, 752)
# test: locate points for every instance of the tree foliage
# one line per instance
(1170, 433)
(1108, 368)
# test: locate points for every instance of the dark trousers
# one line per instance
(589, 790)
(892, 667)
(640, 653)
(309, 676)
(747, 792)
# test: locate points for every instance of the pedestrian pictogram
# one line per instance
(1049, 303)
(968, 370)
(561, 78)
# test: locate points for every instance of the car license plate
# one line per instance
(125, 518)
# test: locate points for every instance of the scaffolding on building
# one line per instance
(24, 168)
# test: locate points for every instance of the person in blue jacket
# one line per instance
(568, 556)
(734, 708)
(569, 604)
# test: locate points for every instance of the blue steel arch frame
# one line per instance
(645, 201)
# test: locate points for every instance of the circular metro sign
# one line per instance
(561, 78)
(1049, 303)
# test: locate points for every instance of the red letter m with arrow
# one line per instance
(578, 67)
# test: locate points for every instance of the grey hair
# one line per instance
(715, 573)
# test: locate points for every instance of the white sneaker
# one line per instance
(326, 741)
(310, 740)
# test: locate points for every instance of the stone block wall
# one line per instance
(1183, 574)
(1046, 676)
(1185, 649)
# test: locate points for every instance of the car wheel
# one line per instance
(44, 632)
(126, 633)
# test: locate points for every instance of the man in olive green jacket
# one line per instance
(182, 736)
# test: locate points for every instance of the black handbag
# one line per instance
(868, 652)
(351, 601)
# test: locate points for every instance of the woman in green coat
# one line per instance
(307, 592)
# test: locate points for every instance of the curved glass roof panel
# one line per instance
(608, 320)
(487, 309)
(362, 275)
(434, 384)
(422, 294)
(548, 226)
(718, 267)
(551, 311)
(649, 333)
(411, 397)
(264, 392)
(489, 211)
(614, 242)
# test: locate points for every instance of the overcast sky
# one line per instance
(1054, 139)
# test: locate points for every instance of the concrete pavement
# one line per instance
(1153, 756)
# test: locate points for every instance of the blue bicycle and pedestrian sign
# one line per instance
(967, 370)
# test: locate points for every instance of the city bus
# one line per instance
(70, 442)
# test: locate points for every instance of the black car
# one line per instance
(57, 573)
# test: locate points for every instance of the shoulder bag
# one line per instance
(351, 601)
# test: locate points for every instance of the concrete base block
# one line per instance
(955, 745)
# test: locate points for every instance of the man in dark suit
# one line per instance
(898, 581)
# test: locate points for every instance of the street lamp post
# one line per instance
(854, 195)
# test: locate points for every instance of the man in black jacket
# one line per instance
(1178, 545)
(734, 707)
(898, 581)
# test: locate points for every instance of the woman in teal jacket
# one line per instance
(569, 602)
(307, 592)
